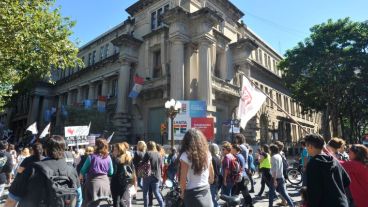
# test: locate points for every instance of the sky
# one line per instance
(280, 23)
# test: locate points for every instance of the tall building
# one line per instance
(186, 50)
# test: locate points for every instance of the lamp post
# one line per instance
(173, 108)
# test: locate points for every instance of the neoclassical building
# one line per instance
(186, 50)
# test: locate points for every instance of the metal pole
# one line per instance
(287, 114)
(172, 131)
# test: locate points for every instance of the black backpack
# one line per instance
(60, 190)
(125, 174)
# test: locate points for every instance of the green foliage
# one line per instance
(33, 38)
(328, 71)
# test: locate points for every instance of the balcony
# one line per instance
(222, 86)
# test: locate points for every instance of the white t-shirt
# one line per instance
(276, 163)
(194, 180)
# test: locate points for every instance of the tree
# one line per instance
(33, 39)
(328, 72)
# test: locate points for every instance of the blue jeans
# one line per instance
(79, 197)
(281, 189)
(153, 182)
(2, 187)
(226, 190)
(214, 189)
(140, 181)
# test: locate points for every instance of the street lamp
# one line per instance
(173, 108)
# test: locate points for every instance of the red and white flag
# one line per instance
(251, 100)
(138, 85)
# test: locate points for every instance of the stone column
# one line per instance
(205, 76)
(69, 99)
(123, 88)
(104, 89)
(91, 91)
(163, 54)
(177, 69)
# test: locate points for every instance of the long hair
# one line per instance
(196, 147)
(102, 147)
(361, 153)
(123, 156)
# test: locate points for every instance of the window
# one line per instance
(83, 60)
(271, 96)
(269, 62)
(94, 57)
(274, 66)
(157, 67)
(257, 57)
(159, 17)
(265, 60)
(101, 52)
(156, 17)
(267, 99)
(279, 101)
(114, 87)
(116, 50)
(297, 110)
(260, 56)
(292, 108)
(153, 20)
(106, 52)
(286, 103)
(89, 59)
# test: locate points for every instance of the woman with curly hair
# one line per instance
(196, 171)
(357, 168)
(95, 170)
(123, 182)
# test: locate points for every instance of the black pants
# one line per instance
(250, 176)
(266, 179)
(243, 189)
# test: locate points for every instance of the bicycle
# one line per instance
(295, 174)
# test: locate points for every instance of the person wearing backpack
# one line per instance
(228, 165)
(50, 182)
(216, 164)
(6, 166)
(241, 187)
(123, 181)
(151, 161)
(95, 172)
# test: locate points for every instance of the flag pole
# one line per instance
(278, 106)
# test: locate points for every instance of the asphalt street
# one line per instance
(258, 201)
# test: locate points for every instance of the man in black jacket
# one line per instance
(30, 187)
(326, 179)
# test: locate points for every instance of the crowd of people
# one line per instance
(111, 174)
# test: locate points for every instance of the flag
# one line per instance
(89, 128)
(251, 100)
(33, 128)
(45, 131)
(138, 85)
(110, 138)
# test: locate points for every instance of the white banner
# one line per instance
(73, 131)
(251, 100)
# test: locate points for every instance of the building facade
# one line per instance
(186, 50)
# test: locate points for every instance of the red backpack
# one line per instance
(236, 171)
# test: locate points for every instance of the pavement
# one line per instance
(258, 201)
